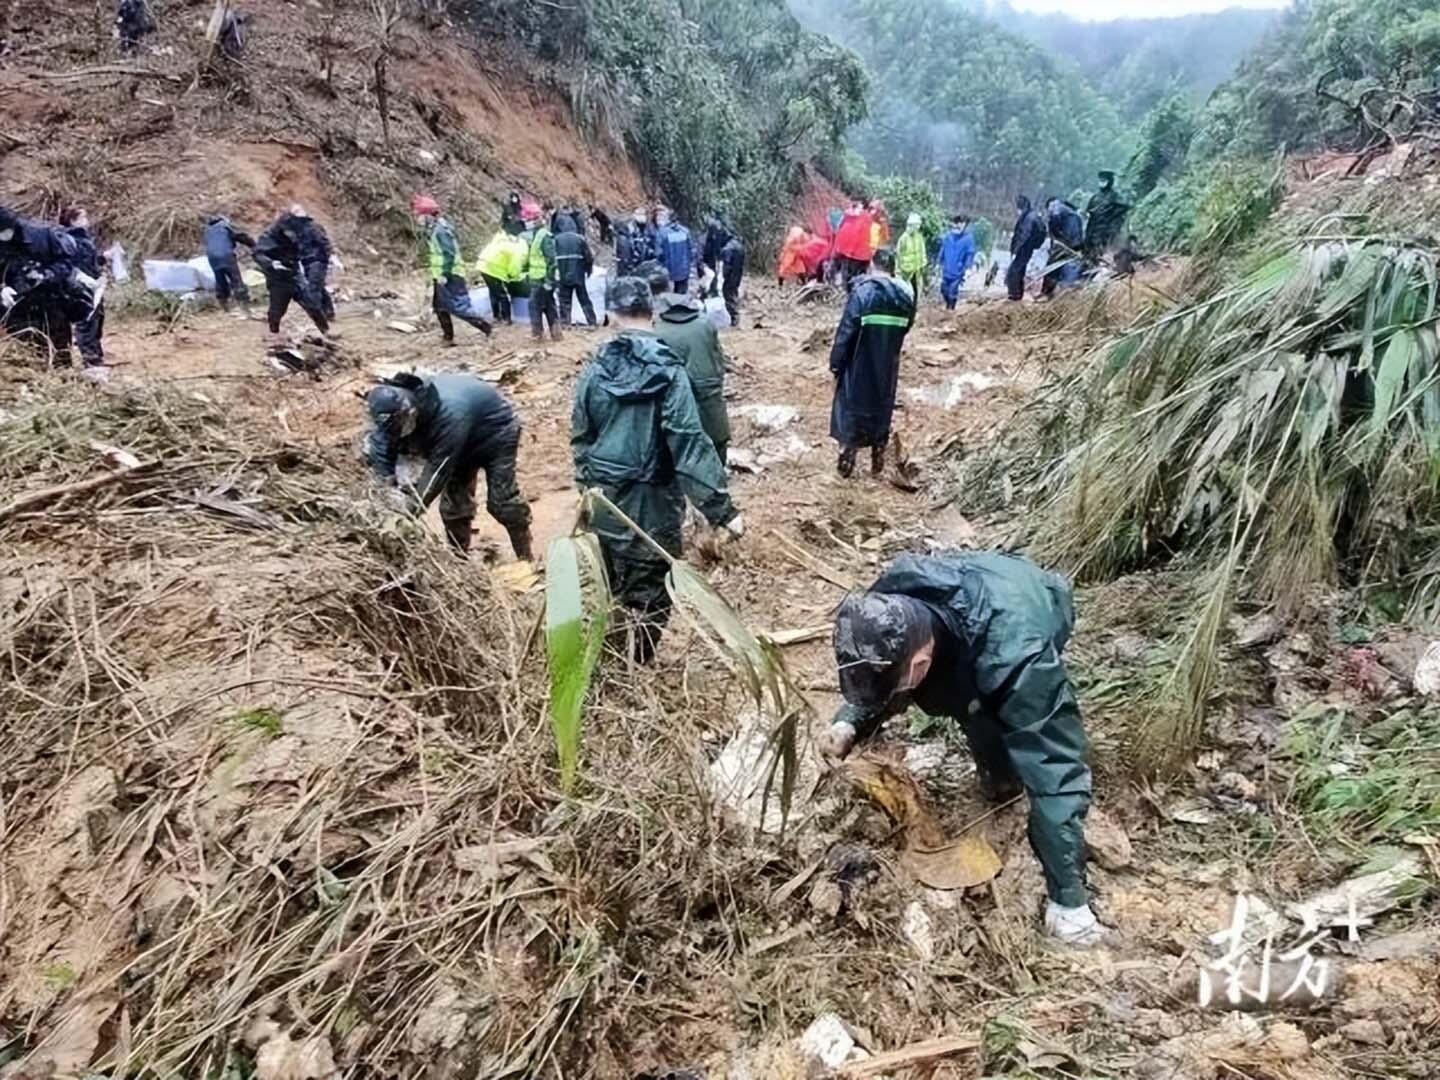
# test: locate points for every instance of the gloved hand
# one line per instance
(86, 280)
(1073, 926)
(394, 500)
(735, 526)
(839, 738)
(7, 297)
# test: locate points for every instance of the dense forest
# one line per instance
(1358, 75)
(964, 104)
(1136, 63)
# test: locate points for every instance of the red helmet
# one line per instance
(423, 204)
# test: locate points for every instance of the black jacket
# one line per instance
(865, 360)
(294, 242)
(462, 423)
(87, 255)
(1067, 227)
(717, 235)
(572, 253)
(732, 260)
(1029, 234)
(221, 237)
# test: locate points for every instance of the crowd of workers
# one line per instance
(977, 637)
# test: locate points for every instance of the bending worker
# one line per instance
(978, 636)
(459, 424)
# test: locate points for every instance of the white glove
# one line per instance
(1073, 926)
(735, 526)
(394, 500)
(7, 297)
(86, 280)
(838, 739)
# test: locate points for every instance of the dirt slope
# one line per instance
(153, 150)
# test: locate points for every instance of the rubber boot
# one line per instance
(846, 465)
(521, 542)
(459, 533)
(877, 460)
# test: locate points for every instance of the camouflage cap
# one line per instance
(629, 296)
(872, 640)
(656, 275)
(386, 401)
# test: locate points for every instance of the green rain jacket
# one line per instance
(635, 433)
(1007, 622)
(684, 327)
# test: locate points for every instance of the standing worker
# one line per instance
(865, 361)
(674, 250)
(502, 268)
(542, 272)
(294, 254)
(912, 256)
(1029, 234)
(854, 243)
(987, 630)
(221, 237)
(89, 330)
(957, 252)
(449, 292)
(635, 433)
(1106, 212)
(459, 424)
(732, 264)
(717, 235)
(575, 263)
(681, 323)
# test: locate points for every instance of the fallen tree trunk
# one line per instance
(33, 500)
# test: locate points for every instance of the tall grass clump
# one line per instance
(1282, 430)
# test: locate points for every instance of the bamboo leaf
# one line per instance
(574, 638)
(1400, 353)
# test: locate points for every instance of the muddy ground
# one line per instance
(897, 961)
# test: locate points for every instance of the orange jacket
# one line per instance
(792, 258)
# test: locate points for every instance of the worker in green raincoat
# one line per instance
(682, 324)
(635, 434)
(978, 636)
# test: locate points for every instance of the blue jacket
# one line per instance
(957, 252)
(674, 251)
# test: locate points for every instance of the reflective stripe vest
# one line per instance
(536, 268)
(442, 237)
(911, 254)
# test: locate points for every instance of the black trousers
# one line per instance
(87, 337)
(452, 297)
(499, 298)
(570, 292)
(542, 308)
(42, 324)
(228, 281)
(503, 500)
(732, 301)
(283, 289)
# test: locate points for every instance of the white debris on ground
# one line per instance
(919, 931)
(768, 419)
(738, 775)
(953, 390)
(829, 1043)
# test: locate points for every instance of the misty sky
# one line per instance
(1117, 9)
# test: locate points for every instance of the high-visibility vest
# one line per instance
(437, 253)
(536, 263)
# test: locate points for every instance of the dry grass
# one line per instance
(259, 740)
